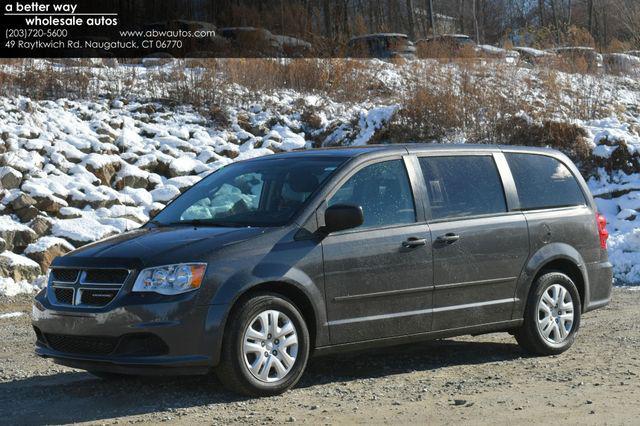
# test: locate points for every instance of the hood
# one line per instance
(148, 246)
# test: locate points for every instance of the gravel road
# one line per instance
(475, 380)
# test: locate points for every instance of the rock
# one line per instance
(18, 267)
(146, 109)
(105, 172)
(10, 178)
(3, 245)
(155, 209)
(459, 402)
(69, 213)
(106, 130)
(41, 226)
(46, 249)
(132, 177)
(165, 194)
(16, 235)
(27, 213)
(132, 182)
(49, 205)
(229, 151)
(22, 201)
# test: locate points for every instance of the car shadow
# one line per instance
(69, 397)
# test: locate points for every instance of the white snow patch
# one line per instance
(44, 243)
(82, 229)
(11, 314)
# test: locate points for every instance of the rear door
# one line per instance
(379, 276)
(480, 244)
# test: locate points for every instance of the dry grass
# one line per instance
(482, 102)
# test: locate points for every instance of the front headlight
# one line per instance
(171, 279)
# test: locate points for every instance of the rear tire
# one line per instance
(265, 347)
(552, 315)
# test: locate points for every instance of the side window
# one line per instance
(460, 186)
(384, 193)
(544, 182)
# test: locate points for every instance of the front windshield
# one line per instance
(265, 192)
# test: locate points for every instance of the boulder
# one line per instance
(107, 132)
(10, 178)
(230, 151)
(49, 205)
(132, 177)
(16, 235)
(41, 226)
(18, 267)
(27, 213)
(22, 201)
(69, 213)
(165, 194)
(104, 172)
(46, 249)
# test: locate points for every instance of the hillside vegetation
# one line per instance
(87, 152)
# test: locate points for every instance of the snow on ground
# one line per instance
(10, 288)
(76, 171)
(11, 315)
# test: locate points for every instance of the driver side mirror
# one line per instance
(342, 216)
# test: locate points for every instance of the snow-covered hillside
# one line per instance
(76, 171)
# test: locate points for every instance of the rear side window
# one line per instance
(460, 186)
(384, 193)
(544, 182)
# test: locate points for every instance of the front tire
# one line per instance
(552, 315)
(265, 348)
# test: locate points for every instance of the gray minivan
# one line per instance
(270, 260)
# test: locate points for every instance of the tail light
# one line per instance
(602, 230)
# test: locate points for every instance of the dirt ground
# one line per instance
(473, 380)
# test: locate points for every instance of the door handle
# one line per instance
(448, 238)
(413, 242)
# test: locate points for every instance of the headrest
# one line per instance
(303, 182)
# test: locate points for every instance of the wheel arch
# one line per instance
(558, 257)
(569, 268)
(289, 291)
(307, 298)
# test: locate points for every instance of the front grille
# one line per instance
(64, 295)
(105, 276)
(86, 287)
(97, 297)
(86, 345)
(65, 275)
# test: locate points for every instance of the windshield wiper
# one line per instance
(200, 222)
(157, 223)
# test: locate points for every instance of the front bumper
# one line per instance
(139, 334)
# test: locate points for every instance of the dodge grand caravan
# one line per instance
(269, 260)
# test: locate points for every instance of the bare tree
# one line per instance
(412, 29)
(432, 20)
(475, 20)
